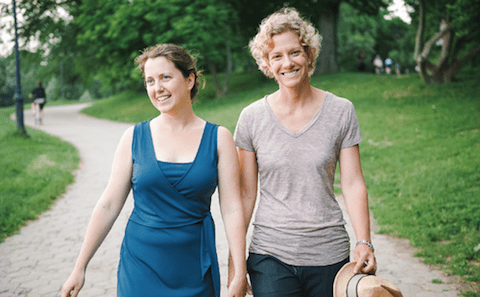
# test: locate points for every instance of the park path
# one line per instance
(37, 260)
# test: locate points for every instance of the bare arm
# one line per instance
(248, 182)
(231, 208)
(248, 190)
(356, 200)
(105, 213)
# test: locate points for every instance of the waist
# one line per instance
(317, 248)
(177, 220)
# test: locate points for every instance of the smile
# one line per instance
(290, 73)
(163, 98)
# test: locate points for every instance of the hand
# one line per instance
(366, 262)
(238, 286)
(232, 282)
(74, 284)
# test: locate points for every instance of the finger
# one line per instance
(371, 266)
(358, 266)
(249, 289)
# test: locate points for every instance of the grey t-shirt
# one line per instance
(298, 219)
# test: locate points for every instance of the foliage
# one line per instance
(374, 35)
(455, 43)
(356, 32)
(35, 171)
(118, 30)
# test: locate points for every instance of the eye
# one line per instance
(166, 77)
(149, 81)
(275, 57)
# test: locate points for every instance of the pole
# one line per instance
(18, 92)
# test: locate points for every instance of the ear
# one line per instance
(190, 81)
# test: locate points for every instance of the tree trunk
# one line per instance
(447, 65)
(420, 30)
(216, 82)
(228, 71)
(327, 25)
(221, 89)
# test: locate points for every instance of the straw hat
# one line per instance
(366, 285)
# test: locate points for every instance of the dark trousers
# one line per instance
(271, 277)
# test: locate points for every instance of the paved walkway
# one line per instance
(37, 260)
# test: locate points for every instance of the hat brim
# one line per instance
(342, 278)
(368, 283)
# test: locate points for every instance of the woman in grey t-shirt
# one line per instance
(292, 140)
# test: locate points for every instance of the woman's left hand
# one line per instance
(237, 287)
(366, 262)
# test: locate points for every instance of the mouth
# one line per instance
(163, 98)
(290, 74)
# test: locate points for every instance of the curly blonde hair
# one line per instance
(286, 19)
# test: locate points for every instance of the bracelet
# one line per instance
(370, 245)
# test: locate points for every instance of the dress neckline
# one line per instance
(191, 164)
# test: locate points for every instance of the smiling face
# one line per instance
(287, 60)
(166, 86)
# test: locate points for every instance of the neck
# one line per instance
(179, 120)
(299, 94)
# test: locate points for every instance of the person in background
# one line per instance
(377, 62)
(292, 140)
(388, 65)
(173, 163)
(361, 61)
(39, 97)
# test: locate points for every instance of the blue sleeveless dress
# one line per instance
(169, 243)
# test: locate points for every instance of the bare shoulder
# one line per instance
(224, 139)
(128, 135)
(126, 140)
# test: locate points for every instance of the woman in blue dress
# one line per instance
(173, 163)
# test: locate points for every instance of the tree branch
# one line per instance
(431, 42)
(420, 30)
(459, 64)
(446, 47)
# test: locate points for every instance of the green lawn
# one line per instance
(420, 155)
(34, 172)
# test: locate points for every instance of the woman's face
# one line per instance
(166, 86)
(287, 59)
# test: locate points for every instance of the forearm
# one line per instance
(101, 221)
(356, 199)
(249, 201)
(236, 236)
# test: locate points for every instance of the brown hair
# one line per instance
(182, 60)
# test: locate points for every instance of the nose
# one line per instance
(287, 62)
(159, 87)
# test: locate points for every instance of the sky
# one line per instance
(398, 8)
(6, 45)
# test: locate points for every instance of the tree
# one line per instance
(458, 37)
(117, 30)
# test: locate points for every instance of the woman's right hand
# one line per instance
(73, 284)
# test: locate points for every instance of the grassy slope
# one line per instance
(34, 172)
(420, 155)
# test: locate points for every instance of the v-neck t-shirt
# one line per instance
(298, 219)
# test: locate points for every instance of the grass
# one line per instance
(420, 155)
(35, 171)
